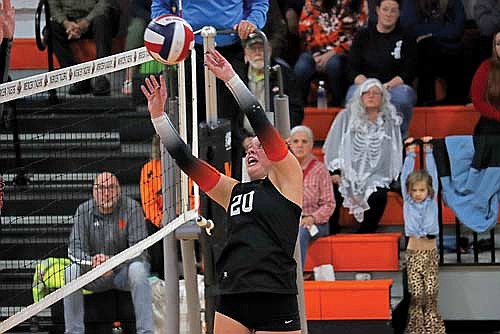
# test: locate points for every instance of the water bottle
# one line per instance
(321, 95)
(117, 328)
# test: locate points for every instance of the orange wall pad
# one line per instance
(444, 121)
(438, 121)
(318, 253)
(312, 293)
(365, 252)
(318, 153)
(355, 252)
(348, 300)
(25, 54)
(393, 212)
(319, 120)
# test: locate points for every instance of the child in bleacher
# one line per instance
(419, 189)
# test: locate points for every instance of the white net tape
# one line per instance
(97, 272)
(51, 80)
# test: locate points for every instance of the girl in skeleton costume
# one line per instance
(363, 151)
(256, 270)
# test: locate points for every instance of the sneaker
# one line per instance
(79, 88)
(101, 86)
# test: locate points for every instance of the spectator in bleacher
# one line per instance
(243, 16)
(103, 227)
(276, 30)
(419, 190)
(256, 271)
(291, 11)
(140, 15)
(438, 27)
(387, 52)
(254, 78)
(363, 150)
(72, 20)
(485, 91)
(7, 24)
(327, 29)
(318, 202)
(487, 16)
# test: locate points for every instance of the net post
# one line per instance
(300, 289)
(171, 272)
(208, 33)
(191, 283)
(216, 149)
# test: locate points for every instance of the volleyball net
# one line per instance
(54, 144)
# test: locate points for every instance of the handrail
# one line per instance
(45, 43)
(40, 42)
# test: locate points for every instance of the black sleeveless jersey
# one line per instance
(262, 231)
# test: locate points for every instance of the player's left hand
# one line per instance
(219, 65)
(156, 94)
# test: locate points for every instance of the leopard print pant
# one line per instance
(423, 284)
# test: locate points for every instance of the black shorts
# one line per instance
(262, 311)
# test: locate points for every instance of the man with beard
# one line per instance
(103, 227)
(254, 58)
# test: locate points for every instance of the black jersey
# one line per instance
(262, 231)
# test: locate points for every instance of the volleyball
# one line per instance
(168, 39)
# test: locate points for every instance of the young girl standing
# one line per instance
(420, 209)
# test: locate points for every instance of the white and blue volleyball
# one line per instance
(168, 39)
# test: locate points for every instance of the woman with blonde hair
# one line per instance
(363, 150)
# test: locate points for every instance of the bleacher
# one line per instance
(370, 303)
(63, 147)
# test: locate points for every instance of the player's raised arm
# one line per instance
(216, 185)
(286, 172)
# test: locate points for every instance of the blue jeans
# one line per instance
(132, 277)
(305, 69)
(305, 239)
(404, 98)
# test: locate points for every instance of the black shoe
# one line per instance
(78, 88)
(101, 86)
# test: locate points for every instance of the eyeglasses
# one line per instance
(100, 187)
(371, 93)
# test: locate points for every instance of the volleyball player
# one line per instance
(256, 270)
